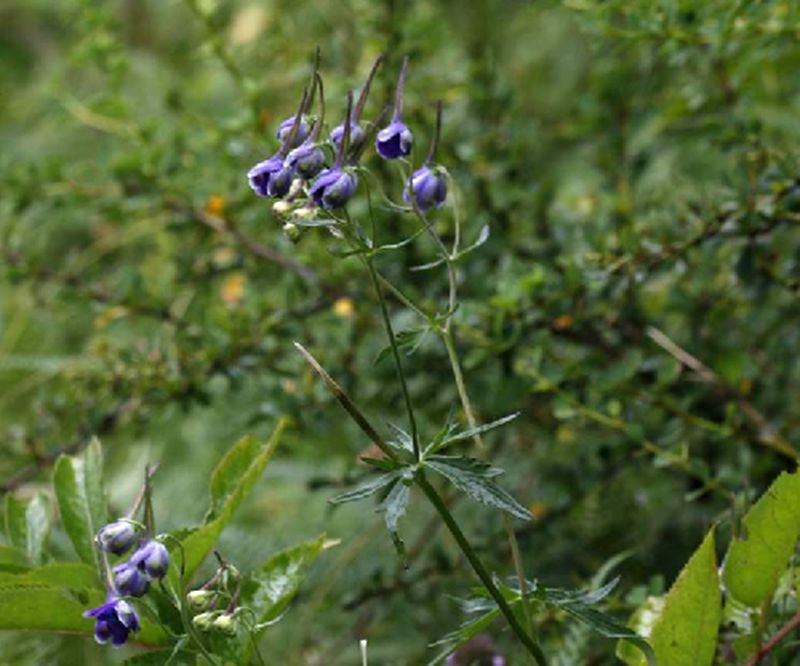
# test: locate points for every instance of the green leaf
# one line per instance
(78, 485)
(770, 530)
(395, 504)
(685, 631)
(469, 433)
(60, 609)
(368, 489)
(475, 478)
(12, 559)
(68, 574)
(468, 630)
(231, 481)
(403, 441)
(269, 590)
(16, 525)
(578, 604)
(28, 525)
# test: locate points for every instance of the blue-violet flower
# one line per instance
(429, 186)
(117, 537)
(271, 178)
(114, 621)
(334, 187)
(307, 160)
(129, 581)
(285, 129)
(152, 558)
(395, 140)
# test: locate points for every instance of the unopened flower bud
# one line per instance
(129, 581)
(304, 213)
(226, 624)
(394, 140)
(117, 537)
(291, 231)
(285, 130)
(199, 600)
(152, 558)
(429, 186)
(204, 621)
(281, 208)
(334, 188)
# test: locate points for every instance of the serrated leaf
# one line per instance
(78, 485)
(231, 481)
(770, 530)
(476, 480)
(685, 632)
(269, 590)
(368, 489)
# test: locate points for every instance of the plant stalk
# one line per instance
(477, 566)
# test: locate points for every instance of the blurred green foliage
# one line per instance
(637, 163)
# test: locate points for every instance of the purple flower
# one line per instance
(394, 140)
(356, 135)
(151, 559)
(285, 129)
(117, 537)
(271, 178)
(334, 187)
(114, 620)
(129, 581)
(429, 186)
(307, 160)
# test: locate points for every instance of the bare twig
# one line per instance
(773, 642)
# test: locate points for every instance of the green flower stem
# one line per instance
(530, 644)
(395, 353)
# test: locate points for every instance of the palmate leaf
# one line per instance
(366, 490)
(450, 437)
(476, 479)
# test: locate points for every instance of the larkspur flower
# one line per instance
(334, 187)
(285, 130)
(129, 581)
(395, 140)
(152, 559)
(117, 537)
(307, 160)
(271, 178)
(357, 134)
(429, 187)
(114, 621)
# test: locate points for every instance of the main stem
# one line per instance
(530, 644)
(396, 354)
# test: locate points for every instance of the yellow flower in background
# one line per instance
(215, 205)
(343, 307)
(110, 314)
(232, 291)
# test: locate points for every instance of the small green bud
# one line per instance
(291, 231)
(204, 621)
(304, 213)
(200, 599)
(226, 624)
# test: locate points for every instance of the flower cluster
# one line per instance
(224, 587)
(299, 173)
(116, 619)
